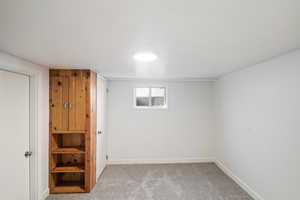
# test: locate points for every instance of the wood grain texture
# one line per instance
(68, 150)
(77, 100)
(90, 174)
(58, 100)
(93, 125)
(68, 169)
(92, 129)
(72, 131)
(68, 132)
(68, 189)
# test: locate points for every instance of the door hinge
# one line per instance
(107, 90)
(106, 157)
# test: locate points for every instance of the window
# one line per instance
(150, 97)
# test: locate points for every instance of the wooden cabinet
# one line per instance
(72, 161)
(69, 94)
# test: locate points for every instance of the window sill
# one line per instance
(150, 108)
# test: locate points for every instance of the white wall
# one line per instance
(258, 136)
(15, 64)
(182, 133)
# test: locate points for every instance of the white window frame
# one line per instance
(150, 106)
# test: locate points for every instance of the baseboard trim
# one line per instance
(241, 183)
(99, 172)
(45, 194)
(159, 161)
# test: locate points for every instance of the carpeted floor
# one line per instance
(162, 182)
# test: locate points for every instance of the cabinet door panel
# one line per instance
(77, 99)
(58, 104)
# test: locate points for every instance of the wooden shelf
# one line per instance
(68, 150)
(71, 169)
(68, 132)
(67, 189)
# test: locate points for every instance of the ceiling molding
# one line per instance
(100, 76)
(185, 79)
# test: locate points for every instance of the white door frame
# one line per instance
(102, 128)
(33, 128)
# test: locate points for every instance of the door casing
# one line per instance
(101, 126)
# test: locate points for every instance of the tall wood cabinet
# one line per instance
(72, 149)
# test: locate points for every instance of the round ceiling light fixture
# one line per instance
(145, 57)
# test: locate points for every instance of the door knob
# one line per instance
(27, 154)
(99, 132)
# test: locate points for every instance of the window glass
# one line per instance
(142, 96)
(157, 96)
(150, 97)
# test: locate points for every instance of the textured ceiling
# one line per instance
(192, 38)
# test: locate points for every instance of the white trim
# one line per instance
(150, 107)
(99, 172)
(176, 79)
(45, 194)
(34, 137)
(160, 161)
(241, 183)
(33, 126)
(99, 76)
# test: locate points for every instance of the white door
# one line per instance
(14, 130)
(101, 132)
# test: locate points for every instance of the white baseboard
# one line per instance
(159, 161)
(241, 183)
(45, 194)
(99, 172)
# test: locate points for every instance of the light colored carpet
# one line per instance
(162, 182)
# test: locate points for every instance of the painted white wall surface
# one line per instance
(258, 137)
(182, 133)
(101, 125)
(12, 63)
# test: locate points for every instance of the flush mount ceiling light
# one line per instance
(145, 57)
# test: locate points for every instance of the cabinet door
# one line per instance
(59, 103)
(77, 101)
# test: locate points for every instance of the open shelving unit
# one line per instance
(68, 162)
(68, 182)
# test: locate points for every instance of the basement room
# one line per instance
(150, 100)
